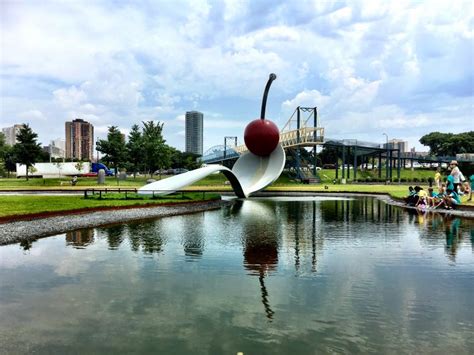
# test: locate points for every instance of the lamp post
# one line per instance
(386, 159)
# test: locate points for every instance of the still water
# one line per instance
(281, 276)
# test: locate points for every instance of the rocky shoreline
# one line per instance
(17, 231)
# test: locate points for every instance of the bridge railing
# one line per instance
(305, 136)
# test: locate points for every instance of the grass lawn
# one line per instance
(326, 176)
(28, 204)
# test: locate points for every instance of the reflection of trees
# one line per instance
(115, 235)
(145, 235)
(26, 244)
(80, 238)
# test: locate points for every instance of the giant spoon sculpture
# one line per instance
(252, 172)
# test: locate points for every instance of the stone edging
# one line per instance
(17, 231)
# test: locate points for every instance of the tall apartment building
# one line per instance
(79, 140)
(194, 128)
(11, 132)
(397, 144)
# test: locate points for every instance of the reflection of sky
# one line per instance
(350, 275)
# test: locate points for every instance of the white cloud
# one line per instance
(123, 64)
(32, 115)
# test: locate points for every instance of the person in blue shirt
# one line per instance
(471, 179)
(452, 199)
(450, 183)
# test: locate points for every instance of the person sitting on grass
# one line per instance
(438, 200)
(431, 197)
(412, 197)
(451, 200)
(471, 178)
(74, 181)
(466, 188)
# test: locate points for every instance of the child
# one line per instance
(422, 198)
(437, 178)
(471, 178)
(438, 199)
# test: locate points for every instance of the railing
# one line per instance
(306, 136)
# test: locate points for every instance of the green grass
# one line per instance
(29, 204)
(326, 176)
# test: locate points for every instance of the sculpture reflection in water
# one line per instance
(260, 237)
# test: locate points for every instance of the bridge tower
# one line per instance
(303, 122)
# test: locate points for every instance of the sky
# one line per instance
(404, 68)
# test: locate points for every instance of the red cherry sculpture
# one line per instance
(261, 136)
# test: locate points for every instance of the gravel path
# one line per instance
(14, 232)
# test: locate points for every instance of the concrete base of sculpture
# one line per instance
(251, 173)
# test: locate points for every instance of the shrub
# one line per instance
(415, 179)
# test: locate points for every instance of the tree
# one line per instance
(27, 151)
(135, 149)
(114, 148)
(449, 144)
(3, 148)
(3, 145)
(185, 160)
(156, 152)
(9, 159)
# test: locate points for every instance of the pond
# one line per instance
(262, 276)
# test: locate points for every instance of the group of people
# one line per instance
(448, 194)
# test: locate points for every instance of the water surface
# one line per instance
(262, 277)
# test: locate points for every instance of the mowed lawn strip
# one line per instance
(28, 204)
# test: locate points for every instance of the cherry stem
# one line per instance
(265, 94)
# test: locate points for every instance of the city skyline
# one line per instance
(404, 69)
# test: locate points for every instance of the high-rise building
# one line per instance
(194, 125)
(79, 140)
(11, 132)
(397, 144)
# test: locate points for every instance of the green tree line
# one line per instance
(144, 151)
